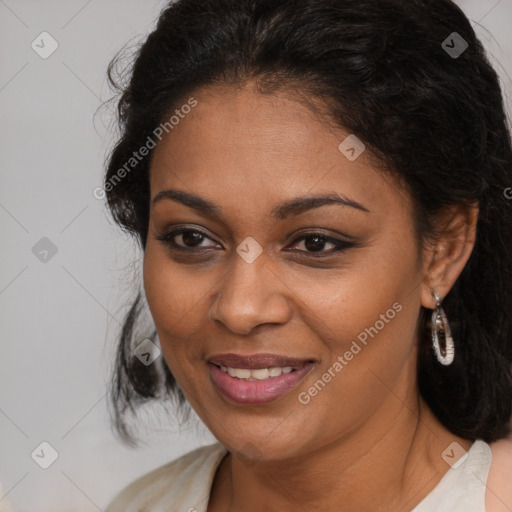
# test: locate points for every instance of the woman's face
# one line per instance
(251, 276)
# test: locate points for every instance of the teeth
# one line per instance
(241, 373)
(259, 374)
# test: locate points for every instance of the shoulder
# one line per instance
(5, 506)
(180, 481)
(498, 496)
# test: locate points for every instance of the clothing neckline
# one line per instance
(463, 486)
(470, 469)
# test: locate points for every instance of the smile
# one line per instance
(251, 386)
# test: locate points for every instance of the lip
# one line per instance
(256, 361)
(245, 392)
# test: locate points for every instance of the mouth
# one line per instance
(256, 379)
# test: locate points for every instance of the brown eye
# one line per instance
(192, 238)
(185, 239)
(316, 243)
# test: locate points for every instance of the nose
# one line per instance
(250, 295)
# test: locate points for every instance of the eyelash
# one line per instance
(340, 245)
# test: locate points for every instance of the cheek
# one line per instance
(368, 360)
(366, 320)
(174, 298)
(355, 301)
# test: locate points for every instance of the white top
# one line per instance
(184, 484)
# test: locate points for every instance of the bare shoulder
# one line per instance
(498, 496)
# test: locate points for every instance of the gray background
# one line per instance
(59, 317)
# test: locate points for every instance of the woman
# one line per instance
(319, 190)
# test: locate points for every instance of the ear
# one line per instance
(445, 258)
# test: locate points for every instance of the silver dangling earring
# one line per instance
(441, 326)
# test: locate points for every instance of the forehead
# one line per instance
(238, 143)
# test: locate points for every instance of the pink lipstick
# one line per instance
(257, 378)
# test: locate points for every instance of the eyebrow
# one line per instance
(290, 207)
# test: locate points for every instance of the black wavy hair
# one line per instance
(435, 120)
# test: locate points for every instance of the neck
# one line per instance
(374, 468)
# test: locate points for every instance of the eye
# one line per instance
(317, 242)
(185, 239)
(314, 244)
